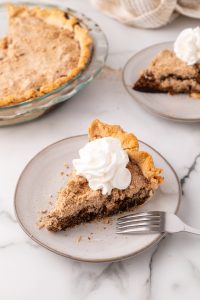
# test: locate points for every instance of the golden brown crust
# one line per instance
(57, 18)
(99, 129)
(195, 95)
(3, 43)
(129, 143)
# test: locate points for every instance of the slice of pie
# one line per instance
(44, 49)
(168, 74)
(77, 202)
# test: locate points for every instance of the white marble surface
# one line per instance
(169, 271)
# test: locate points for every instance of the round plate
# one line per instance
(96, 241)
(177, 107)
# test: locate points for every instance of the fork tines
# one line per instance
(140, 223)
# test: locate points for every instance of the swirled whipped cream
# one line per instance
(187, 46)
(103, 162)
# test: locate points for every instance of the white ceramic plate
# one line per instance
(177, 107)
(42, 178)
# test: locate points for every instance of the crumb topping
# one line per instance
(42, 51)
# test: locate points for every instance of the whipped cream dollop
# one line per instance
(187, 46)
(103, 162)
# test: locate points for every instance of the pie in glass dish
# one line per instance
(112, 175)
(44, 49)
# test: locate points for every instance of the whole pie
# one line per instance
(44, 49)
(168, 74)
(77, 202)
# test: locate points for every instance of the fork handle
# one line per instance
(191, 229)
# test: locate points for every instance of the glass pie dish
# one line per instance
(31, 109)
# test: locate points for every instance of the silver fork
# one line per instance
(152, 222)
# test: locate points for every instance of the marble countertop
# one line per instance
(171, 270)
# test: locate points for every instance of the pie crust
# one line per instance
(129, 143)
(44, 37)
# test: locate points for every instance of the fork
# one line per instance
(152, 222)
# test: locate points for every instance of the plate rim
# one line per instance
(149, 109)
(76, 258)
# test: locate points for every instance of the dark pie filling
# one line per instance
(148, 83)
(55, 223)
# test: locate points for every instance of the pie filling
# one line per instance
(77, 202)
(167, 73)
(43, 50)
(53, 223)
(170, 84)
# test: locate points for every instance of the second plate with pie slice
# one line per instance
(180, 107)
